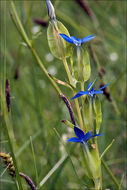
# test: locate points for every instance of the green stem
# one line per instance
(76, 100)
(78, 63)
(97, 150)
(91, 114)
(97, 184)
(24, 35)
(29, 21)
(44, 70)
(34, 159)
(67, 71)
(80, 76)
(79, 113)
(110, 174)
(7, 124)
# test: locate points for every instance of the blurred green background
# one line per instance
(35, 107)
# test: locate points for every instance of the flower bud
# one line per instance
(51, 10)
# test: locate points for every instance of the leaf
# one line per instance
(98, 113)
(62, 82)
(106, 150)
(85, 64)
(68, 123)
(58, 46)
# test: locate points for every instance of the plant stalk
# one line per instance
(110, 174)
(76, 101)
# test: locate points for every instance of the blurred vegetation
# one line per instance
(35, 107)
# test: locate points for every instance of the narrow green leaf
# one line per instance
(113, 178)
(62, 82)
(106, 150)
(34, 161)
(98, 113)
(121, 181)
(51, 172)
(58, 46)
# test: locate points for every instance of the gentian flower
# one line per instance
(77, 41)
(90, 91)
(81, 137)
(51, 10)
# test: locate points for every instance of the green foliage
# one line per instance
(81, 68)
(68, 123)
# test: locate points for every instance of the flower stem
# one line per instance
(7, 127)
(67, 71)
(78, 63)
(76, 101)
(82, 89)
(29, 21)
(44, 70)
(91, 114)
(97, 150)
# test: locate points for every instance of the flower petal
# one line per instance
(89, 85)
(87, 38)
(67, 38)
(98, 92)
(104, 86)
(76, 41)
(79, 133)
(80, 94)
(74, 139)
(87, 136)
(96, 135)
(74, 38)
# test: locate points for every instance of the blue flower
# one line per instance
(90, 91)
(77, 41)
(81, 137)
